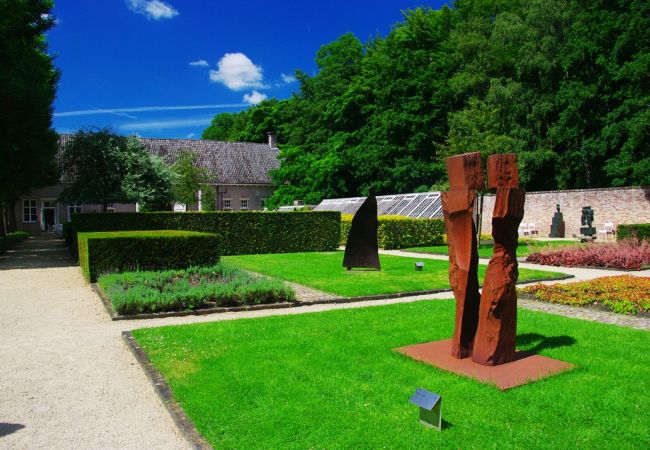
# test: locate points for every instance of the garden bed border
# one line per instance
(200, 312)
(157, 380)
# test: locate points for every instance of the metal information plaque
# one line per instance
(430, 405)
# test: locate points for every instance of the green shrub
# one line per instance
(241, 232)
(640, 231)
(119, 251)
(10, 239)
(401, 232)
(196, 287)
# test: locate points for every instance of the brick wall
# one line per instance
(618, 205)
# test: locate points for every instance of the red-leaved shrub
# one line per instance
(628, 254)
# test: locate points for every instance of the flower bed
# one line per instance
(624, 294)
(626, 255)
(190, 289)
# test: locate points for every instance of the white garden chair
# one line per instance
(608, 229)
(523, 229)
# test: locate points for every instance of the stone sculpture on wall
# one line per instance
(485, 324)
(465, 177)
(361, 249)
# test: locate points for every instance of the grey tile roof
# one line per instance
(230, 162)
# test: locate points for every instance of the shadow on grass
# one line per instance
(535, 343)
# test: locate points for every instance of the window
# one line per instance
(263, 202)
(29, 211)
(243, 203)
(110, 208)
(73, 209)
(227, 203)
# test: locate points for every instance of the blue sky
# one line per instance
(164, 68)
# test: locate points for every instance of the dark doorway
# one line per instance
(49, 218)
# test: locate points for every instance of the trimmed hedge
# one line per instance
(640, 231)
(10, 239)
(240, 232)
(401, 232)
(119, 251)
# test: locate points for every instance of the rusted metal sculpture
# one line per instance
(361, 249)
(495, 338)
(465, 176)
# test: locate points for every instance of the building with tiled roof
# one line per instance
(240, 170)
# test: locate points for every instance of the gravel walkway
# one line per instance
(68, 381)
(66, 378)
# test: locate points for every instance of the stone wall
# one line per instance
(618, 205)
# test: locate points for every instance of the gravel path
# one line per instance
(66, 378)
(68, 381)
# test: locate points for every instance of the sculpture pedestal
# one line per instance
(525, 368)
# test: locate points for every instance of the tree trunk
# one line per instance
(10, 214)
(3, 222)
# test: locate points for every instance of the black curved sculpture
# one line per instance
(361, 249)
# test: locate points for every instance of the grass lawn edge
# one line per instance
(205, 311)
(164, 392)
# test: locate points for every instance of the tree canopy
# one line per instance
(28, 82)
(109, 168)
(562, 83)
(189, 178)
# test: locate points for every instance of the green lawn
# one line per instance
(323, 271)
(332, 380)
(485, 250)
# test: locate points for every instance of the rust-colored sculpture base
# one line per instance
(523, 369)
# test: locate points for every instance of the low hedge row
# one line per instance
(640, 231)
(401, 232)
(241, 232)
(119, 251)
(10, 239)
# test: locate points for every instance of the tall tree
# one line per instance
(189, 178)
(108, 168)
(28, 82)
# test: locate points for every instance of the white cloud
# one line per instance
(287, 79)
(236, 71)
(152, 9)
(191, 135)
(165, 124)
(91, 112)
(199, 63)
(254, 98)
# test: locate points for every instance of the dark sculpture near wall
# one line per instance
(557, 224)
(465, 177)
(587, 231)
(495, 339)
(361, 249)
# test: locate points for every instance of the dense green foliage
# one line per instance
(109, 168)
(190, 289)
(332, 380)
(399, 231)
(240, 232)
(10, 239)
(640, 231)
(325, 272)
(120, 251)
(189, 179)
(562, 83)
(28, 82)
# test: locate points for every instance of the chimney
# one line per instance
(272, 142)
